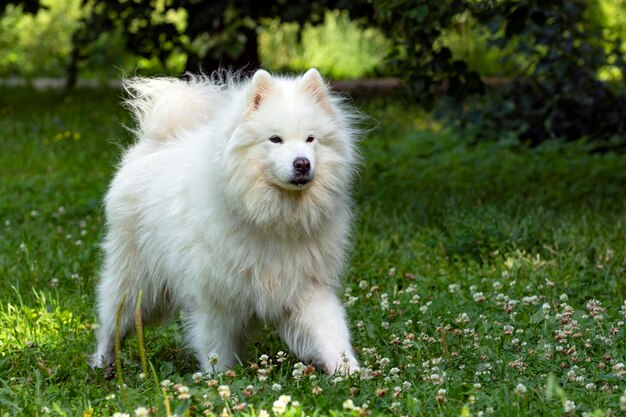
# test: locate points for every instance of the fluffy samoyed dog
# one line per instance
(234, 206)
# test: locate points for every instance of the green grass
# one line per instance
(457, 251)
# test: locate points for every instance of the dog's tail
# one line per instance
(165, 106)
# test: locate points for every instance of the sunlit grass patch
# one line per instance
(43, 323)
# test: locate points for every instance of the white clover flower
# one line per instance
(351, 301)
(569, 406)
(44, 409)
(348, 405)
(590, 386)
(479, 297)
(277, 387)
(224, 391)
(197, 377)
(213, 358)
(110, 397)
(183, 392)
(278, 407)
(141, 412)
(452, 288)
(520, 390)
(441, 395)
(618, 369)
(477, 386)
(281, 356)
(406, 385)
(463, 318)
(263, 413)
(298, 371)
(363, 284)
(532, 299)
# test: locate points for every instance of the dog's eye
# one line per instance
(310, 139)
(276, 139)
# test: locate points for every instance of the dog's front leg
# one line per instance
(317, 331)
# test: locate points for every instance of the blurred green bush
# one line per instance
(38, 45)
(340, 47)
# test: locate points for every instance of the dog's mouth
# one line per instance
(297, 182)
(300, 180)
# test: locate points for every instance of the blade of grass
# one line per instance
(139, 326)
(118, 359)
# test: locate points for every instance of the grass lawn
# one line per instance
(485, 280)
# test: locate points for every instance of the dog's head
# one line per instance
(295, 141)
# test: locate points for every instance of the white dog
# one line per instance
(234, 206)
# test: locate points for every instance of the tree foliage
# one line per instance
(415, 29)
(559, 93)
(214, 33)
(563, 43)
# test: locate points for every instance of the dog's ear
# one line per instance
(312, 83)
(262, 85)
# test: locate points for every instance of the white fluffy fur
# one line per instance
(202, 217)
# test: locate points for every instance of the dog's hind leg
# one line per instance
(113, 299)
(117, 292)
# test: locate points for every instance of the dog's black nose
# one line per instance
(302, 165)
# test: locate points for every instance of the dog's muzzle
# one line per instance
(302, 172)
